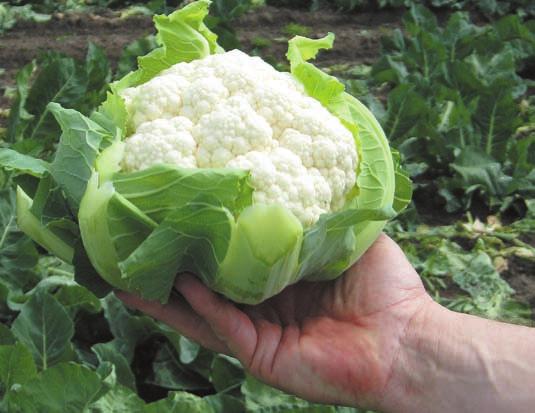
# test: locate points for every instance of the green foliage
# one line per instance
(45, 327)
(10, 15)
(262, 398)
(18, 255)
(100, 378)
(128, 60)
(66, 387)
(454, 109)
(222, 15)
(489, 8)
(81, 6)
(54, 77)
(468, 257)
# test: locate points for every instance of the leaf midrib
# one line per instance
(6, 231)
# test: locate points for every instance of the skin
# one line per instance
(373, 338)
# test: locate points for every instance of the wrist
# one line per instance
(457, 362)
(437, 357)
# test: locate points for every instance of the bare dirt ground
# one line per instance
(357, 36)
(66, 34)
(521, 277)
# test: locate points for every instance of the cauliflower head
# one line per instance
(216, 164)
(231, 110)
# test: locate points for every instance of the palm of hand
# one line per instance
(328, 342)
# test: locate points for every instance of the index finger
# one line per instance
(180, 316)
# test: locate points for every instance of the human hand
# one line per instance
(330, 342)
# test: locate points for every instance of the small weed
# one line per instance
(296, 29)
(261, 42)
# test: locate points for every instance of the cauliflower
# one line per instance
(231, 110)
(222, 167)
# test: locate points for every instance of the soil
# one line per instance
(69, 34)
(357, 42)
(357, 36)
(521, 277)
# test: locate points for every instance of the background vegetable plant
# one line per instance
(456, 102)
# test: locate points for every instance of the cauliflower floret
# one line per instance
(334, 159)
(184, 69)
(280, 178)
(159, 98)
(278, 105)
(233, 110)
(202, 97)
(232, 129)
(161, 141)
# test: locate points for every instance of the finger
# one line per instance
(180, 316)
(268, 345)
(229, 324)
